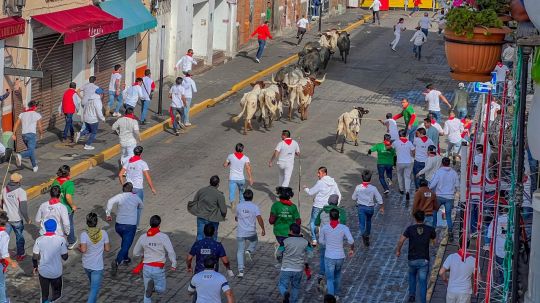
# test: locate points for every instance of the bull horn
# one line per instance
(322, 80)
(273, 81)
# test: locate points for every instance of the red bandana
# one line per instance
(30, 109)
(387, 143)
(152, 231)
(288, 141)
(433, 121)
(404, 140)
(286, 202)
(49, 233)
(189, 55)
(53, 201)
(461, 254)
(131, 116)
(2, 228)
(61, 180)
(334, 223)
(135, 83)
(134, 159)
(239, 155)
(365, 184)
(424, 139)
(451, 118)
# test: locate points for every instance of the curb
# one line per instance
(114, 150)
(437, 263)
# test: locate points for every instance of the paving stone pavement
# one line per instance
(375, 78)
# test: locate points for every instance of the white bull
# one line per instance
(349, 126)
(250, 105)
(301, 94)
(270, 104)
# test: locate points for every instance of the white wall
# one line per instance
(154, 45)
(221, 24)
(200, 28)
(183, 11)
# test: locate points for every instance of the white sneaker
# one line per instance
(257, 60)
(187, 124)
(247, 254)
(18, 159)
(88, 147)
(35, 169)
(72, 246)
(116, 114)
(389, 181)
(314, 243)
(240, 274)
(77, 137)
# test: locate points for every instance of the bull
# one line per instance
(344, 45)
(349, 126)
(250, 105)
(302, 94)
(324, 54)
(309, 61)
(270, 104)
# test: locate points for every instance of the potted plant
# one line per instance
(474, 36)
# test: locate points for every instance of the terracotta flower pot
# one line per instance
(474, 59)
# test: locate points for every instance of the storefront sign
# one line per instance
(10, 27)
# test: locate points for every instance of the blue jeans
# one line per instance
(118, 98)
(29, 140)
(315, 211)
(200, 228)
(90, 128)
(436, 114)
(233, 184)
(172, 113)
(322, 267)
(364, 218)
(18, 228)
(425, 31)
(262, 44)
(448, 206)
(242, 248)
(186, 110)
(333, 275)
(295, 279)
(95, 277)
(431, 221)
(3, 293)
(418, 269)
(411, 132)
(72, 238)
(127, 234)
(144, 108)
(160, 280)
(139, 192)
(417, 50)
(69, 126)
(461, 113)
(382, 169)
(417, 167)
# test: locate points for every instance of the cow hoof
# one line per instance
(355, 143)
(341, 151)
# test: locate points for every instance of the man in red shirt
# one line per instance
(263, 33)
(70, 103)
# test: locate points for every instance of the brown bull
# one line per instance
(302, 94)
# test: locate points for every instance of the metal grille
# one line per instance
(113, 52)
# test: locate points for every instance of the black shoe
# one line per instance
(126, 262)
(114, 268)
(407, 196)
(143, 122)
(365, 240)
(401, 192)
(412, 299)
(149, 289)
(286, 297)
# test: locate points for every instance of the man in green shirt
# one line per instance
(284, 213)
(385, 161)
(409, 116)
(269, 11)
(67, 189)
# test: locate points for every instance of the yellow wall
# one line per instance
(426, 4)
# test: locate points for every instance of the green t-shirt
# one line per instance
(268, 14)
(68, 187)
(384, 156)
(407, 113)
(286, 215)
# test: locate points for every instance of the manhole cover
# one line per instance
(68, 157)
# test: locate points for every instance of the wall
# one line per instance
(200, 28)
(221, 24)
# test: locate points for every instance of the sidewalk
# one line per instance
(51, 153)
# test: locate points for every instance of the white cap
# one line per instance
(461, 85)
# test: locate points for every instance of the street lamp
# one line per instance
(161, 56)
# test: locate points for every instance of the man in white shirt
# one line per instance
(376, 7)
(133, 93)
(212, 282)
(432, 97)
(425, 23)
(432, 164)
(445, 183)
(134, 171)
(302, 24)
(461, 267)
(92, 114)
(48, 252)
(28, 120)
(508, 56)
(127, 129)
(186, 63)
(115, 91)
(148, 87)
(404, 163)
(4, 256)
(493, 111)
(178, 101)
(55, 210)
(15, 204)
(247, 215)
(453, 128)
(365, 196)
(500, 240)
(87, 90)
(285, 152)
(398, 28)
(421, 144)
(323, 189)
(153, 247)
(189, 88)
(418, 39)
(236, 162)
(391, 126)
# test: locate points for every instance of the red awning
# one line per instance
(81, 23)
(11, 26)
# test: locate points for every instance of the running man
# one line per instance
(237, 162)
(263, 33)
(115, 92)
(385, 161)
(409, 117)
(398, 28)
(185, 64)
(303, 26)
(285, 152)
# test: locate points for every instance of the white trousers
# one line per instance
(285, 173)
(126, 153)
(395, 41)
(457, 298)
(404, 176)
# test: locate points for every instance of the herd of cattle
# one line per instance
(293, 86)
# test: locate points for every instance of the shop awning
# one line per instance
(81, 23)
(11, 26)
(135, 15)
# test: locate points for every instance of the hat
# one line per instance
(333, 199)
(15, 177)
(461, 85)
(99, 91)
(50, 225)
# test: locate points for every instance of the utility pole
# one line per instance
(161, 63)
(320, 15)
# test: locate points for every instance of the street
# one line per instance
(374, 77)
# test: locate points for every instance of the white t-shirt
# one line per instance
(146, 86)
(4, 244)
(189, 87)
(132, 94)
(376, 5)
(421, 147)
(209, 284)
(424, 22)
(501, 72)
(492, 111)
(433, 100)
(392, 128)
(287, 151)
(176, 92)
(58, 212)
(403, 151)
(302, 23)
(246, 214)
(135, 172)
(508, 54)
(127, 128)
(399, 29)
(460, 274)
(29, 121)
(186, 63)
(88, 90)
(50, 250)
(236, 167)
(93, 257)
(453, 129)
(112, 83)
(12, 200)
(502, 230)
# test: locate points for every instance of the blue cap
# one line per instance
(50, 225)
(99, 91)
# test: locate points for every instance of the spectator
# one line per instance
(237, 162)
(91, 116)
(365, 196)
(148, 88)
(135, 171)
(404, 162)
(385, 161)
(426, 200)
(461, 101)
(15, 204)
(208, 206)
(28, 120)
(67, 189)
(127, 129)
(376, 7)
(55, 210)
(421, 144)
(461, 267)
(445, 182)
(247, 215)
(283, 213)
(114, 92)
(212, 282)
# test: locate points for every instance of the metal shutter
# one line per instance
(111, 53)
(57, 68)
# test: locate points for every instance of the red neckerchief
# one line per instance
(404, 140)
(134, 159)
(135, 84)
(334, 223)
(115, 72)
(387, 143)
(189, 55)
(61, 180)
(49, 233)
(433, 121)
(238, 155)
(287, 141)
(365, 184)
(2, 228)
(131, 116)
(152, 231)
(499, 64)
(286, 202)
(53, 201)
(450, 118)
(462, 255)
(31, 109)
(424, 139)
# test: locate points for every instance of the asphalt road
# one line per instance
(375, 78)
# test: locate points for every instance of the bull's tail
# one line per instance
(237, 117)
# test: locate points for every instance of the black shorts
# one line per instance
(301, 31)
